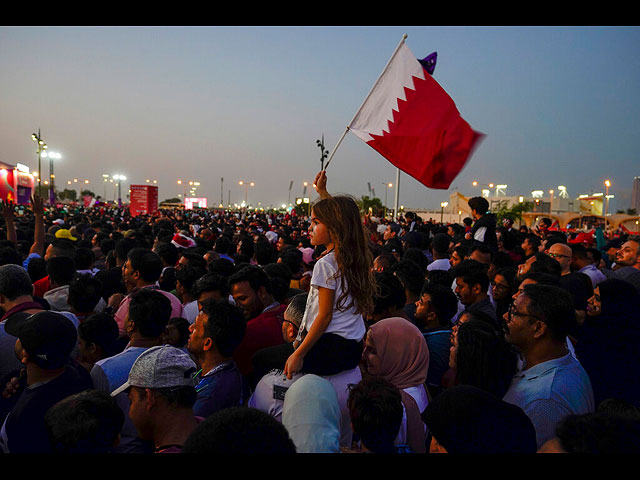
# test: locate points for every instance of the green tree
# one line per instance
(514, 213)
(171, 200)
(375, 204)
(87, 192)
(68, 194)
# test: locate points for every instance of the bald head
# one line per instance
(562, 253)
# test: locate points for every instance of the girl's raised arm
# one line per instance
(320, 184)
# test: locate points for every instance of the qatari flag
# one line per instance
(412, 122)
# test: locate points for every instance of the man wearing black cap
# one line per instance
(44, 344)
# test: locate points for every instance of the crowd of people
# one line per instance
(204, 331)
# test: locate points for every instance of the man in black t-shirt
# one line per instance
(44, 345)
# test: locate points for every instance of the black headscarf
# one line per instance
(466, 419)
(609, 346)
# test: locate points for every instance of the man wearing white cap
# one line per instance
(161, 389)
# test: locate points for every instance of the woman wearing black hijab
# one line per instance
(609, 346)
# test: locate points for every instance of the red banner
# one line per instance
(143, 200)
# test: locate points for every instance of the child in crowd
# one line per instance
(330, 339)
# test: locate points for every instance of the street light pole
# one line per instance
(41, 147)
(442, 205)
(386, 191)
(607, 184)
(120, 179)
(105, 178)
(290, 187)
(246, 189)
(52, 192)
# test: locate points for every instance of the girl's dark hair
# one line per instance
(342, 217)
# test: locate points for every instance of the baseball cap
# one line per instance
(583, 237)
(160, 367)
(64, 233)
(49, 337)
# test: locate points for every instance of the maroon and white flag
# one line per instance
(411, 121)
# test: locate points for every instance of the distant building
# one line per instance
(16, 183)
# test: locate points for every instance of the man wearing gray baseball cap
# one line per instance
(161, 390)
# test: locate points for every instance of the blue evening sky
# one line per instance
(559, 106)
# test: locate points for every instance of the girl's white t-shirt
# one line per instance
(346, 323)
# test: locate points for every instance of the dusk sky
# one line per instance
(558, 106)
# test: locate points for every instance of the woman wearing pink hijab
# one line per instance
(396, 350)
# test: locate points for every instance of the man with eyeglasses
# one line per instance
(271, 384)
(562, 254)
(274, 357)
(552, 383)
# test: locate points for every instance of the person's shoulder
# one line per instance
(565, 376)
(325, 264)
(123, 357)
(78, 375)
(174, 299)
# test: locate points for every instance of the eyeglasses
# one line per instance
(282, 319)
(512, 313)
(556, 255)
(500, 286)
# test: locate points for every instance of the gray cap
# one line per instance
(160, 367)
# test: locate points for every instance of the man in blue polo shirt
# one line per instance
(552, 384)
(148, 314)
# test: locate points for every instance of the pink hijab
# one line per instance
(401, 354)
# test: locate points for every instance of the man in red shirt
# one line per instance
(251, 291)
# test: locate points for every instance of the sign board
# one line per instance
(143, 199)
(16, 186)
(191, 203)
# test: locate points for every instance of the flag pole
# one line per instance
(404, 37)
(395, 207)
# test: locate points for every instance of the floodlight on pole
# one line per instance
(120, 179)
(41, 148)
